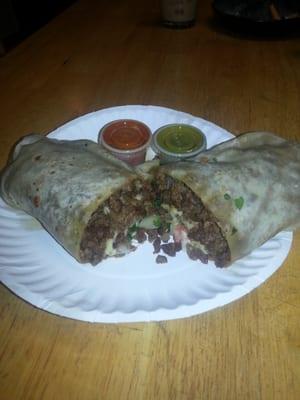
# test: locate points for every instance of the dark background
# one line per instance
(20, 18)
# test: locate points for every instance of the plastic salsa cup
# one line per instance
(126, 139)
(175, 142)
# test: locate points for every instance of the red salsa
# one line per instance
(127, 139)
(126, 134)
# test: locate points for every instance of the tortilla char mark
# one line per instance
(107, 231)
(193, 224)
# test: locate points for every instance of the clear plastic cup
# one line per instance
(126, 139)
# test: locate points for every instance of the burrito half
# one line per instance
(234, 198)
(86, 198)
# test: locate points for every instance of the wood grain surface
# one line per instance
(106, 53)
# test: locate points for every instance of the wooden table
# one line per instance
(106, 53)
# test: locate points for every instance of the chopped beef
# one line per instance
(165, 237)
(178, 246)
(205, 228)
(139, 199)
(191, 252)
(118, 240)
(196, 254)
(112, 219)
(161, 259)
(152, 234)
(169, 249)
(115, 204)
(141, 236)
(156, 245)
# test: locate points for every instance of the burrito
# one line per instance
(234, 197)
(83, 196)
(220, 206)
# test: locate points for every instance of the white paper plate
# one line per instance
(133, 288)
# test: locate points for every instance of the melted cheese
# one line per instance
(179, 220)
(109, 250)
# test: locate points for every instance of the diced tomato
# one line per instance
(180, 233)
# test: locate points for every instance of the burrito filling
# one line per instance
(112, 226)
(192, 225)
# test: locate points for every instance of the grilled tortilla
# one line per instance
(234, 197)
(86, 198)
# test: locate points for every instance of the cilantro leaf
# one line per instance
(157, 222)
(227, 196)
(239, 202)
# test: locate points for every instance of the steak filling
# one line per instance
(193, 225)
(181, 222)
(107, 232)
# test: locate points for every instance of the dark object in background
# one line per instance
(259, 17)
(178, 14)
(19, 18)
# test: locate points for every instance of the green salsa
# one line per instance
(179, 139)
